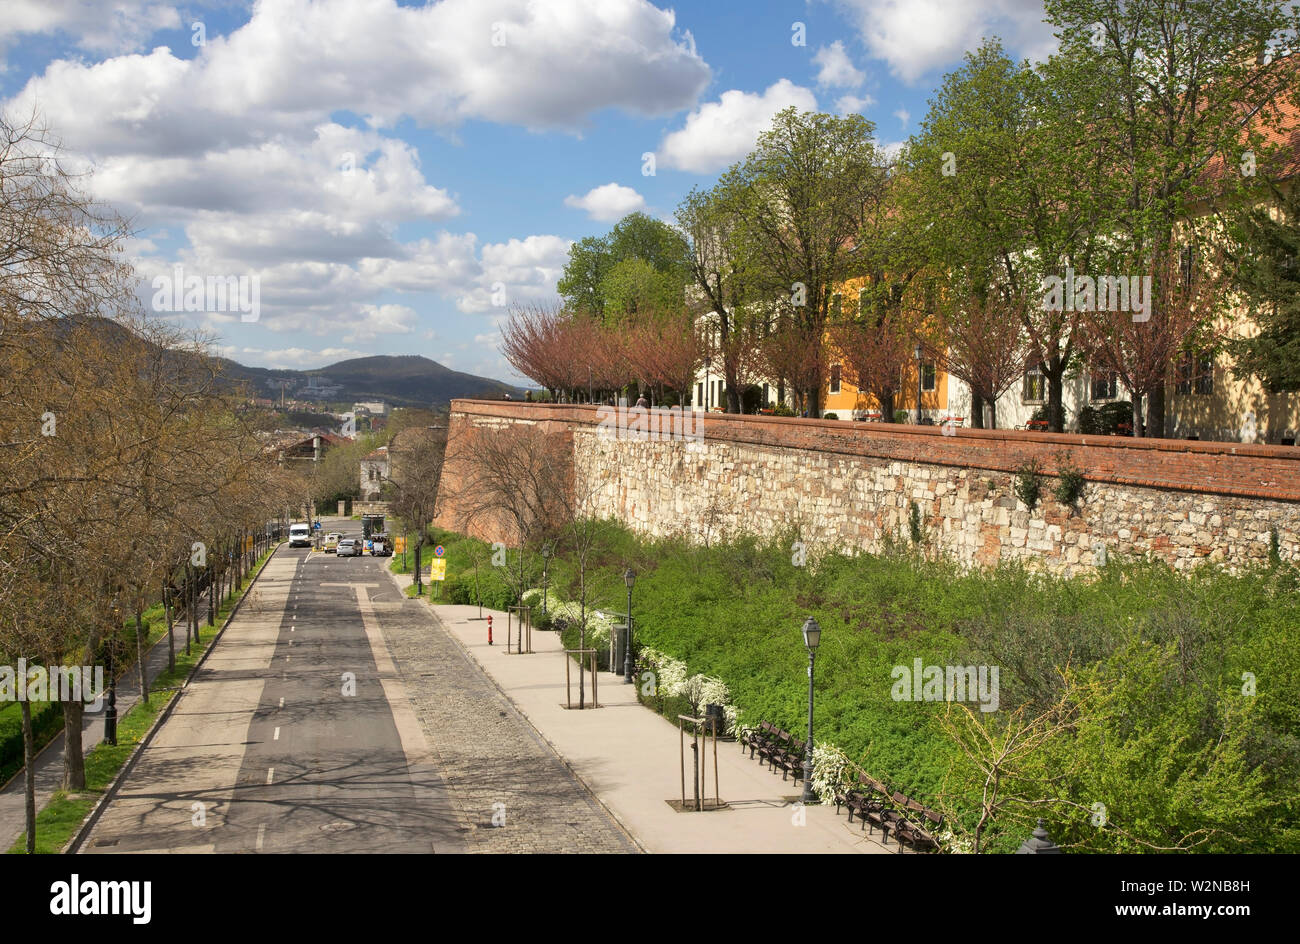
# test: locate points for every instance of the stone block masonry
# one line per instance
(848, 486)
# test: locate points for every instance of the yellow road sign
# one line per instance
(438, 569)
(399, 544)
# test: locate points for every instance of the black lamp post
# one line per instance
(812, 637)
(546, 561)
(1039, 843)
(918, 352)
(707, 391)
(110, 713)
(629, 576)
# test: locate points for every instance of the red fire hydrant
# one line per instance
(489, 630)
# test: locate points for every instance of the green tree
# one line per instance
(803, 192)
(1173, 94)
(1269, 277)
(594, 281)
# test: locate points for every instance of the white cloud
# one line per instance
(296, 62)
(719, 133)
(109, 26)
(890, 150)
(852, 104)
(903, 115)
(288, 358)
(916, 37)
(607, 202)
(836, 69)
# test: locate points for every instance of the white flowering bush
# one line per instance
(831, 770)
(533, 598)
(950, 842)
(670, 673)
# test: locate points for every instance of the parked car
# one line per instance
(349, 547)
(332, 542)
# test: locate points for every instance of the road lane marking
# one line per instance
(261, 835)
(270, 774)
(409, 732)
(276, 736)
(281, 701)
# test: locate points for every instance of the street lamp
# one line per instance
(110, 713)
(629, 576)
(812, 637)
(546, 560)
(918, 352)
(707, 392)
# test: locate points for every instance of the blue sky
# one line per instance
(395, 175)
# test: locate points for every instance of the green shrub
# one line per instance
(830, 416)
(1069, 481)
(1029, 484)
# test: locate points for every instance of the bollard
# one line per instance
(489, 630)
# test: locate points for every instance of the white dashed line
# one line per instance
(282, 702)
(276, 735)
(261, 835)
(270, 774)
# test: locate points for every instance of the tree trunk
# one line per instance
(139, 651)
(171, 635)
(976, 410)
(29, 776)
(74, 760)
(1137, 414)
(1055, 375)
(993, 414)
(212, 602)
(1156, 412)
(886, 407)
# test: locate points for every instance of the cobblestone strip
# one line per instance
(490, 756)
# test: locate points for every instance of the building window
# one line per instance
(1103, 386)
(928, 377)
(835, 378)
(1035, 389)
(1195, 375)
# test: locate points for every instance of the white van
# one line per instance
(299, 535)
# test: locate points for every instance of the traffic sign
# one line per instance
(399, 544)
(438, 569)
(439, 550)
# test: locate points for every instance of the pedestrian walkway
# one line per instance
(628, 756)
(49, 762)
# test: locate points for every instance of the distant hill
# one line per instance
(400, 380)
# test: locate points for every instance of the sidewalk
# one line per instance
(49, 761)
(629, 757)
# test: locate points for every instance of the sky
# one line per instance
(390, 177)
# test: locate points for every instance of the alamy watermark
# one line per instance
(1103, 293)
(651, 424)
(973, 683)
(194, 293)
(59, 683)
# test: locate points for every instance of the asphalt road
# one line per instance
(301, 734)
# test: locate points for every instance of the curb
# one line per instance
(73, 846)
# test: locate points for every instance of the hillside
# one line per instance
(401, 380)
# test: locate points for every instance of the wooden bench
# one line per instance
(918, 827)
(790, 760)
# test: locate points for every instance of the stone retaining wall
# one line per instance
(851, 486)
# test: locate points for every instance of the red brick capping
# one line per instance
(1250, 471)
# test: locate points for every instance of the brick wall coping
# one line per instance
(1222, 468)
